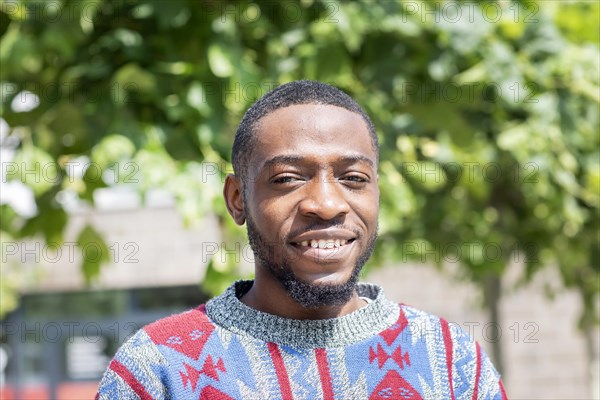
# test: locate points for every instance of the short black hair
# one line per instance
(293, 93)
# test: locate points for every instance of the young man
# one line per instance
(305, 160)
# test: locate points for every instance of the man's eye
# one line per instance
(285, 179)
(355, 178)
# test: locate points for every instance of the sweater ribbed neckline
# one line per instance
(227, 311)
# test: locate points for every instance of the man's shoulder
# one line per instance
(425, 324)
(185, 332)
(177, 322)
(415, 315)
(135, 371)
(453, 346)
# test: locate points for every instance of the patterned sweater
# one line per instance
(227, 350)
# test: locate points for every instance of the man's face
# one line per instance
(312, 201)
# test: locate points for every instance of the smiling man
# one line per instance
(305, 159)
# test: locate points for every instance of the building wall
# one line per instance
(544, 353)
(146, 246)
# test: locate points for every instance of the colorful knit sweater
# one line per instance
(226, 350)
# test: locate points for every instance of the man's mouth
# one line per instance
(323, 243)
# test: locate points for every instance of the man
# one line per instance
(305, 161)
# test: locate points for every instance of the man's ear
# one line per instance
(232, 192)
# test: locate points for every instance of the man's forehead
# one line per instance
(308, 117)
(309, 132)
(294, 159)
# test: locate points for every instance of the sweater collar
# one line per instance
(230, 313)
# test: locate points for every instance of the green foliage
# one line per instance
(94, 251)
(488, 122)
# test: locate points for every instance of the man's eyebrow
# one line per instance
(353, 159)
(277, 160)
(291, 159)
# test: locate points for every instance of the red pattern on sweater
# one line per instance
(477, 372)
(324, 374)
(282, 375)
(448, 345)
(128, 377)
(186, 333)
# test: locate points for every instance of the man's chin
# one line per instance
(316, 295)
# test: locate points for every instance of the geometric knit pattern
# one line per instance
(205, 353)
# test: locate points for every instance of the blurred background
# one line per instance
(117, 119)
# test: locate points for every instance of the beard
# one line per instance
(309, 295)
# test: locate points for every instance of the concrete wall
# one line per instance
(147, 247)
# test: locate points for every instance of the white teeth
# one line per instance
(323, 243)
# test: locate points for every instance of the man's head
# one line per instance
(305, 158)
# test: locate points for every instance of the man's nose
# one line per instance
(324, 199)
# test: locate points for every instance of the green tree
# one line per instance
(487, 113)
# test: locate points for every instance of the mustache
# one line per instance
(321, 226)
